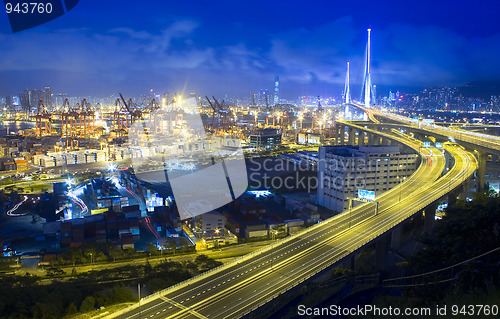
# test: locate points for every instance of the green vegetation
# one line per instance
(45, 297)
(96, 253)
(6, 181)
(468, 230)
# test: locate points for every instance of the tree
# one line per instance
(71, 309)
(152, 249)
(88, 304)
(113, 252)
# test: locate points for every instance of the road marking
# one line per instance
(280, 277)
(191, 311)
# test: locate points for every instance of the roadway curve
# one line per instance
(240, 287)
(480, 139)
(13, 209)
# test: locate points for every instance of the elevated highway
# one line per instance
(483, 145)
(240, 287)
(475, 139)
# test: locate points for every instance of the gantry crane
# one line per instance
(43, 120)
(223, 112)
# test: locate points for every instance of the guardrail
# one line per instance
(420, 206)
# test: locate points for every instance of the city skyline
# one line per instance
(228, 48)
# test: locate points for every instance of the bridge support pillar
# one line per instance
(349, 262)
(352, 136)
(396, 237)
(449, 162)
(453, 196)
(481, 171)
(464, 189)
(429, 218)
(361, 138)
(376, 140)
(336, 136)
(381, 252)
(342, 135)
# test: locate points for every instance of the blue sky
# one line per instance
(216, 47)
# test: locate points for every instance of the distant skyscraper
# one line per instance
(35, 96)
(16, 101)
(58, 99)
(47, 97)
(251, 99)
(276, 90)
(263, 99)
(25, 99)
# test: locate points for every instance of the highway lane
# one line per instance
(235, 290)
(480, 139)
(332, 249)
(308, 243)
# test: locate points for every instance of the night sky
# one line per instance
(234, 47)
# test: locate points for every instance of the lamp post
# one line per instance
(274, 234)
(350, 211)
(400, 180)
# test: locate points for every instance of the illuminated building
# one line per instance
(343, 170)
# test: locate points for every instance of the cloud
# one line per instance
(320, 53)
(135, 59)
(110, 57)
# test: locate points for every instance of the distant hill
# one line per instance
(480, 89)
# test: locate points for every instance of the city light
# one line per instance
(133, 176)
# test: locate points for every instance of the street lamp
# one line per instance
(400, 180)
(350, 211)
(274, 234)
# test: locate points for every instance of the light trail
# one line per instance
(10, 212)
(237, 288)
(79, 202)
(151, 228)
